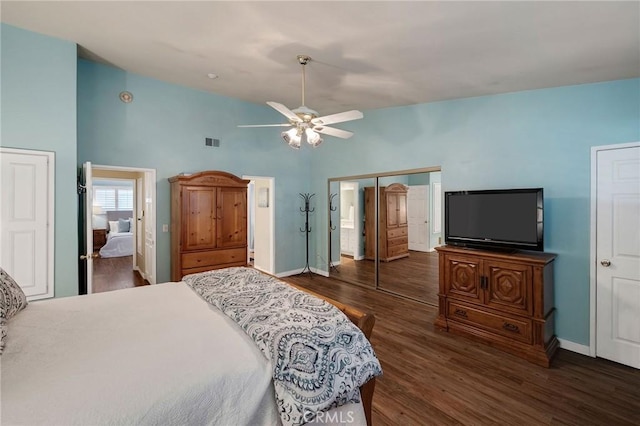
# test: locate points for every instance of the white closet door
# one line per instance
(26, 219)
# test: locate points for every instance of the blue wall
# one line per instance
(524, 139)
(164, 128)
(38, 95)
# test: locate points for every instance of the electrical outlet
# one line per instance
(165, 228)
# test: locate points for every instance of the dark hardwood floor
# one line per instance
(436, 378)
(415, 276)
(115, 273)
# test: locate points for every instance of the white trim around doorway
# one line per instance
(154, 230)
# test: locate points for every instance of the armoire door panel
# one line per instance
(402, 210)
(200, 224)
(232, 217)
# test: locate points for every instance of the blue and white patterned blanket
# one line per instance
(319, 357)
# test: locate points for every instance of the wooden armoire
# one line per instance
(208, 222)
(392, 222)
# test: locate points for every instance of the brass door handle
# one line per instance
(87, 256)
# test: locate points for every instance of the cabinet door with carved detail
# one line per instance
(509, 286)
(199, 224)
(462, 278)
(232, 217)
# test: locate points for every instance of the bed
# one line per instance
(118, 244)
(161, 354)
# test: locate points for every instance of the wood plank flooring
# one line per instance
(115, 273)
(415, 276)
(436, 378)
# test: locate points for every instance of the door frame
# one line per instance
(272, 219)
(154, 230)
(51, 218)
(593, 242)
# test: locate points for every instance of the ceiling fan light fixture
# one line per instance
(292, 137)
(313, 138)
(306, 123)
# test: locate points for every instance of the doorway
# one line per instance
(615, 253)
(261, 223)
(118, 228)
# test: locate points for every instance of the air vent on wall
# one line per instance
(212, 142)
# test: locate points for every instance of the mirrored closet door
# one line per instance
(384, 229)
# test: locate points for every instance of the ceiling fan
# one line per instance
(306, 123)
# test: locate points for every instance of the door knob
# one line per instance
(87, 256)
(606, 263)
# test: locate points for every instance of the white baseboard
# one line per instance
(358, 257)
(574, 347)
(320, 272)
(288, 273)
(298, 271)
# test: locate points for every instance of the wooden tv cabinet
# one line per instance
(502, 299)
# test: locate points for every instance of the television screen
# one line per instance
(510, 219)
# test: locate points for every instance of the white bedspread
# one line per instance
(148, 355)
(118, 244)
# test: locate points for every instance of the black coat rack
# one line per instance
(307, 229)
(332, 228)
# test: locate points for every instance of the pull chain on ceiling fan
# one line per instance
(305, 122)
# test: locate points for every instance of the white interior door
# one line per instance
(88, 224)
(418, 217)
(149, 227)
(26, 218)
(618, 255)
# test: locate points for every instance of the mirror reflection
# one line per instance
(409, 214)
(409, 229)
(347, 236)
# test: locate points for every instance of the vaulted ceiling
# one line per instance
(364, 54)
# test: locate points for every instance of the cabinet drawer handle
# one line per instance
(511, 327)
(461, 312)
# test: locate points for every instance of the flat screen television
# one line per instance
(509, 219)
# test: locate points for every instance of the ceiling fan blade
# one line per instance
(264, 125)
(338, 118)
(332, 131)
(285, 111)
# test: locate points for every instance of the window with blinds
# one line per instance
(113, 198)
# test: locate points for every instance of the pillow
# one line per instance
(124, 225)
(12, 300)
(113, 226)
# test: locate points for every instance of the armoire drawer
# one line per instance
(397, 232)
(213, 257)
(398, 250)
(509, 326)
(398, 241)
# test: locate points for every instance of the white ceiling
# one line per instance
(365, 54)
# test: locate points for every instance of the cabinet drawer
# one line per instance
(508, 326)
(397, 232)
(397, 250)
(398, 241)
(214, 257)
